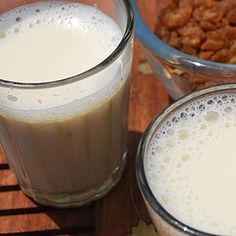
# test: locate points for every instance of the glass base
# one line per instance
(66, 200)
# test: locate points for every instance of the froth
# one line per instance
(75, 37)
(190, 164)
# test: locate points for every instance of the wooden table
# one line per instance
(117, 212)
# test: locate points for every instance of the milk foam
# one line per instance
(190, 164)
(49, 41)
(54, 40)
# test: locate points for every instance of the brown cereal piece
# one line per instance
(212, 45)
(230, 32)
(171, 4)
(221, 25)
(175, 18)
(233, 48)
(212, 15)
(221, 56)
(176, 2)
(206, 84)
(163, 33)
(192, 30)
(192, 41)
(175, 41)
(231, 17)
(205, 55)
(209, 3)
(189, 50)
(225, 6)
(205, 25)
(219, 34)
(197, 3)
(204, 3)
(232, 60)
(185, 4)
(230, 4)
(208, 27)
(186, 29)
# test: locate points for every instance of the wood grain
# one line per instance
(82, 220)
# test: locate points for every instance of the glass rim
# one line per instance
(174, 56)
(97, 68)
(140, 170)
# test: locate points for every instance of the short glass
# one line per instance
(165, 223)
(70, 160)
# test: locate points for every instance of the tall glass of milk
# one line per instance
(186, 165)
(64, 88)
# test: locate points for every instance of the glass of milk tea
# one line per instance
(64, 88)
(186, 165)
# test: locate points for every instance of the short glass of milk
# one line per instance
(64, 88)
(186, 165)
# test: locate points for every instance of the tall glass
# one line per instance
(165, 222)
(73, 150)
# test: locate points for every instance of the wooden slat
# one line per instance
(2, 157)
(7, 177)
(81, 219)
(15, 200)
(147, 95)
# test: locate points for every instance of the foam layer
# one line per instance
(49, 41)
(191, 162)
(54, 40)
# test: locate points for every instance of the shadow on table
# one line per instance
(115, 214)
(123, 207)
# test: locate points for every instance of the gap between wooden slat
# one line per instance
(8, 188)
(48, 221)
(80, 231)
(43, 209)
(7, 177)
(4, 166)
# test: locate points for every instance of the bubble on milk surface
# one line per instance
(18, 19)
(12, 98)
(168, 167)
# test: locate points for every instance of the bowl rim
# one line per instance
(144, 187)
(174, 56)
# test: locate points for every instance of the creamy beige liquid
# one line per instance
(191, 165)
(73, 137)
